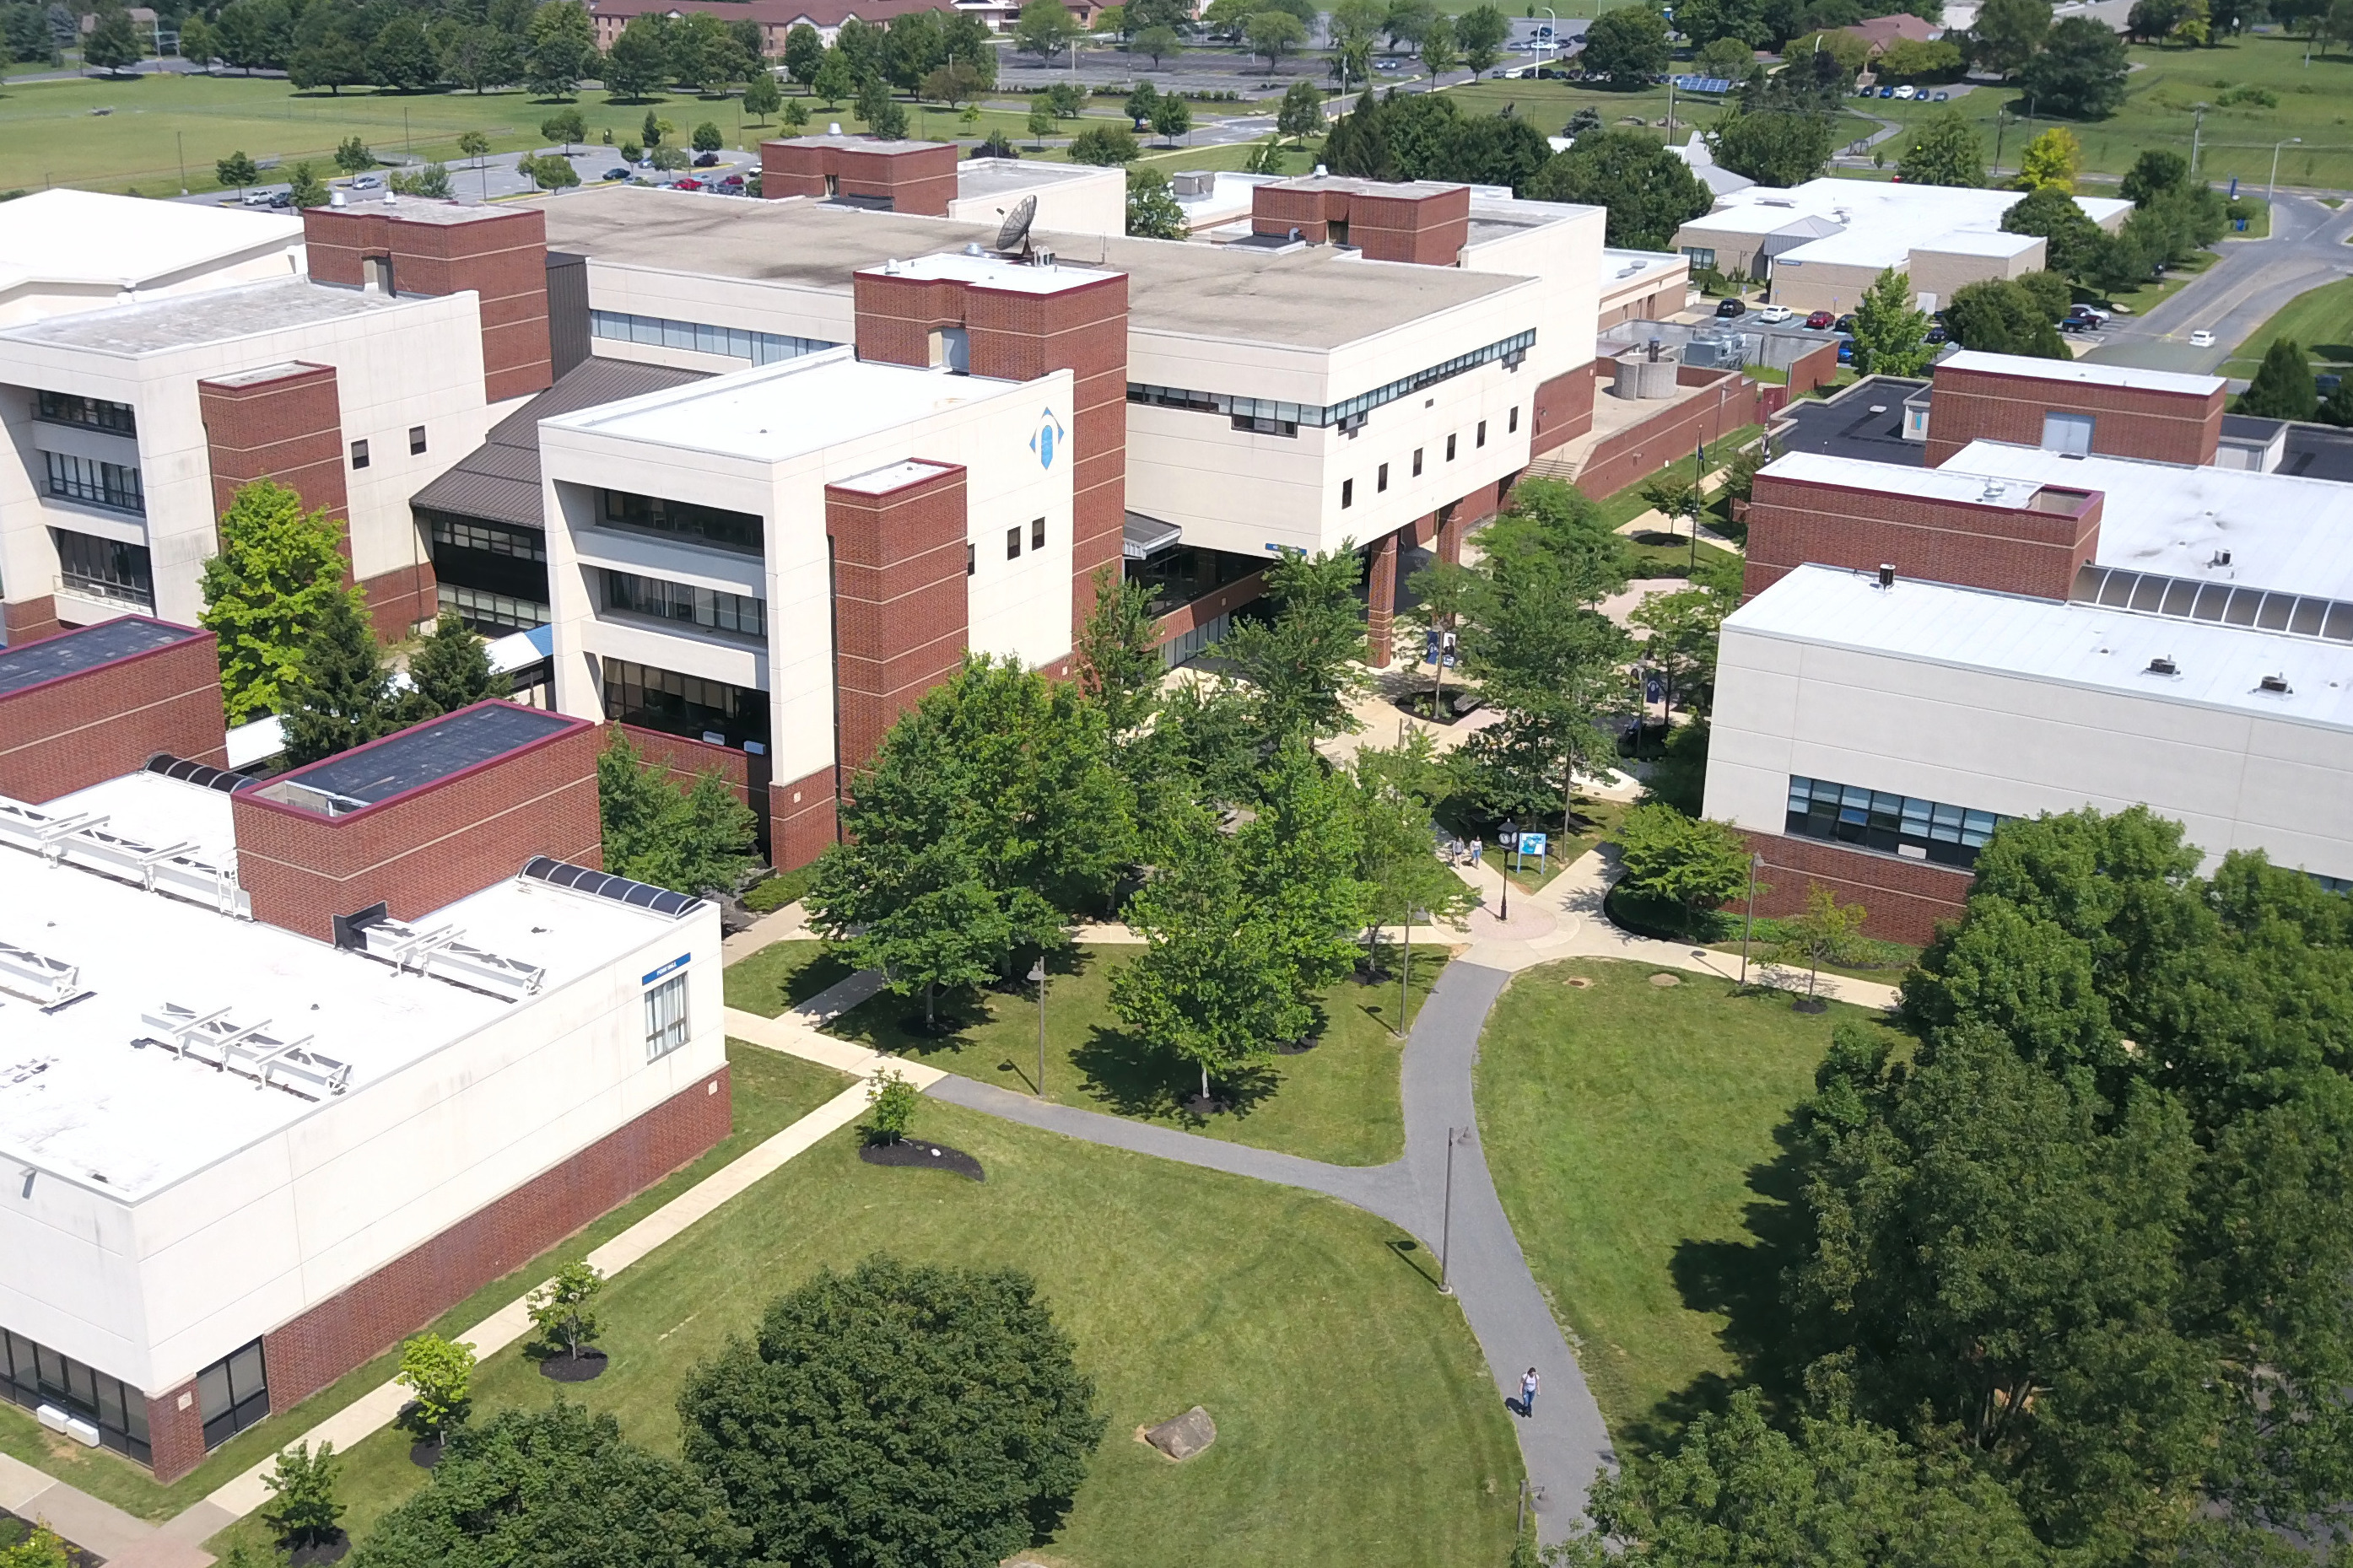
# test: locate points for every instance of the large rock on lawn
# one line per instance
(1186, 1435)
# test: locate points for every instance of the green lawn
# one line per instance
(1337, 1101)
(1357, 1423)
(781, 975)
(2322, 321)
(769, 1092)
(1632, 1133)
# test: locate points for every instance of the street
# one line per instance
(2241, 291)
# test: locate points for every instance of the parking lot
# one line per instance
(495, 175)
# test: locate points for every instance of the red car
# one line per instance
(1819, 321)
(686, 185)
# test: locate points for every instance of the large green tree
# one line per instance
(900, 1413)
(694, 840)
(2007, 33)
(1946, 150)
(451, 669)
(1305, 660)
(278, 572)
(2072, 243)
(2002, 315)
(562, 48)
(342, 697)
(1689, 862)
(1648, 192)
(1772, 147)
(2282, 386)
(1628, 46)
(2079, 72)
(1890, 332)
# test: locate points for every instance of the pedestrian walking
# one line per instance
(1528, 1393)
(1478, 847)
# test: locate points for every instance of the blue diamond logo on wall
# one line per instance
(1048, 436)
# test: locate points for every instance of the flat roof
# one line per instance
(1867, 420)
(421, 754)
(781, 411)
(891, 476)
(76, 652)
(988, 270)
(1309, 298)
(1955, 483)
(2082, 373)
(89, 1094)
(448, 213)
(215, 315)
(862, 144)
(977, 177)
(2070, 644)
(2282, 531)
(81, 237)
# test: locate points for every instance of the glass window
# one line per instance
(1348, 494)
(712, 525)
(359, 453)
(688, 705)
(1482, 434)
(1417, 462)
(666, 1017)
(971, 559)
(1449, 448)
(1013, 544)
(1886, 822)
(1512, 424)
(1273, 418)
(486, 611)
(1703, 256)
(737, 614)
(416, 439)
(232, 1394)
(1036, 533)
(2067, 433)
(65, 408)
(490, 538)
(104, 568)
(110, 485)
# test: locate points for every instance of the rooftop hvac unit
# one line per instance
(46, 982)
(215, 1040)
(439, 952)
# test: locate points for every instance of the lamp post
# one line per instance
(1038, 977)
(1446, 1214)
(1756, 864)
(1507, 837)
(2271, 191)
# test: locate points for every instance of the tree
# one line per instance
(1066, 98)
(2074, 246)
(432, 180)
(1890, 335)
(881, 112)
(1044, 28)
(1041, 122)
(402, 57)
(2155, 173)
(762, 98)
(237, 170)
(1305, 661)
(440, 1377)
(1771, 147)
(562, 48)
(274, 580)
(1141, 102)
(973, 1445)
(892, 1104)
(1825, 933)
(352, 155)
(1648, 192)
(557, 1488)
(1172, 118)
(2079, 72)
(697, 840)
(1725, 59)
(1437, 52)
(1302, 112)
(1116, 656)
(342, 697)
(1408, 23)
(1151, 209)
(564, 1310)
(2008, 33)
(639, 60)
(302, 1510)
(707, 138)
(1160, 44)
(1690, 862)
(197, 45)
(304, 188)
(1104, 146)
(951, 83)
(565, 126)
(1629, 46)
(2283, 387)
(2054, 160)
(334, 61)
(833, 80)
(1396, 791)
(473, 144)
(1480, 32)
(804, 50)
(1681, 647)
(112, 43)
(1946, 150)
(1273, 35)
(1443, 594)
(451, 669)
(548, 171)
(1917, 59)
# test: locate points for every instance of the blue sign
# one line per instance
(1049, 435)
(673, 967)
(1531, 843)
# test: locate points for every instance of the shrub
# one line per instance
(1104, 146)
(441, 1375)
(302, 1509)
(893, 1101)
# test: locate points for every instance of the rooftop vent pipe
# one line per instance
(1886, 576)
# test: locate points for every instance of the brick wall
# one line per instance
(1208, 607)
(499, 252)
(306, 1354)
(1380, 596)
(1965, 406)
(1561, 409)
(1625, 456)
(80, 730)
(1905, 898)
(684, 760)
(1398, 224)
(899, 602)
(803, 818)
(920, 179)
(424, 848)
(284, 424)
(1819, 368)
(400, 598)
(30, 620)
(2013, 550)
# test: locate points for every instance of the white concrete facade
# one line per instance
(833, 419)
(63, 251)
(400, 363)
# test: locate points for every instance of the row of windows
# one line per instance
(485, 611)
(666, 1017)
(32, 1375)
(738, 614)
(416, 446)
(1894, 823)
(1284, 418)
(85, 479)
(466, 533)
(65, 408)
(699, 336)
(1381, 474)
(105, 568)
(688, 705)
(736, 530)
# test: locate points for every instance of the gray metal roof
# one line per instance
(499, 480)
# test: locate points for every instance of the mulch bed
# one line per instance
(1299, 1047)
(319, 1554)
(587, 1367)
(1206, 1106)
(916, 1152)
(424, 1455)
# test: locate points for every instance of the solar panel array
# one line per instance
(605, 885)
(1702, 83)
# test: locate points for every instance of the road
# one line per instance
(2236, 295)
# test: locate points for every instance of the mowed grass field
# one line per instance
(1357, 1423)
(2320, 320)
(1633, 1132)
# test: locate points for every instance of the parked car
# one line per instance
(1846, 351)
(1774, 315)
(1940, 98)
(1937, 333)
(1731, 308)
(618, 171)
(688, 184)
(281, 198)
(1906, 90)
(1844, 323)
(2092, 317)
(705, 160)
(254, 198)
(1819, 321)
(1386, 66)
(1887, 92)
(2202, 339)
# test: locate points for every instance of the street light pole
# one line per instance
(2271, 191)
(1037, 974)
(2197, 133)
(1446, 1218)
(1755, 862)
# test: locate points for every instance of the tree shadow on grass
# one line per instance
(1133, 1077)
(1747, 1281)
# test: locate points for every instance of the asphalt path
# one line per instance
(2235, 296)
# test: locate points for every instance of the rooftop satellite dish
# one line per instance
(1015, 234)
